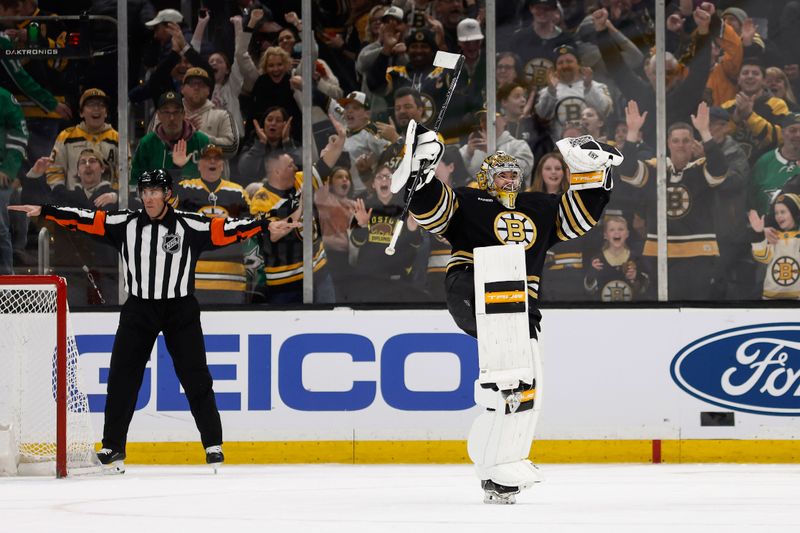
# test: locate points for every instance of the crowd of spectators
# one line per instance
(215, 98)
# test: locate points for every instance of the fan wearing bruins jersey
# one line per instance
(692, 246)
(276, 263)
(220, 276)
(780, 249)
(755, 114)
(420, 74)
(535, 43)
(615, 274)
(381, 277)
(497, 213)
(280, 257)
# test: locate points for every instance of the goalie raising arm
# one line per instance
(496, 213)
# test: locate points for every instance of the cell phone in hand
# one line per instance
(202, 12)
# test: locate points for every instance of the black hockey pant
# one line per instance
(460, 289)
(140, 322)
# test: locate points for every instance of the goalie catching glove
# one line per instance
(590, 162)
(421, 154)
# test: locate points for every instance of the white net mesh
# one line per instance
(28, 348)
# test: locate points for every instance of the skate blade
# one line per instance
(494, 498)
(115, 468)
(216, 467)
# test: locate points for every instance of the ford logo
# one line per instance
(754, 369)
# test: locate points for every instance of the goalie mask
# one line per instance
(492, 167)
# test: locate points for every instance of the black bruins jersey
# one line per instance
(283, 260)
(760, 132)
(562, 276)
(611, 284)
(227, 199)
(470, 218)
(372, 241)
(220, 276)
(432, 86)
(690, 195)
(537, 54)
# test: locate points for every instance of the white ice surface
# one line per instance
(420, 499)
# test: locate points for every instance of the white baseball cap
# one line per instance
(395, 12)
(165, 15)
(355, 96)
(469, 30)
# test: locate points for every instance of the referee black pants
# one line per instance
(140, 322)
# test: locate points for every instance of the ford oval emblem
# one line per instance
(753, 369)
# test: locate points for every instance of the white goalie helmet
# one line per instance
(494, 165)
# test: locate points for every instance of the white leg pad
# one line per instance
(499, 443)
(509, 362)
(500, 439)
(522, 474)
(501, 314)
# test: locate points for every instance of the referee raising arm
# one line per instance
(159, 248)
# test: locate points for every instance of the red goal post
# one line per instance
(28, 306)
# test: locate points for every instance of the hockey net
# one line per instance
(45, 426)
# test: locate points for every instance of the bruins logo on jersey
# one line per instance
(536, 70)
(428, 107)
(569, 109)
(513, 227)
(616, 291)
(315, 231)
(785, 271)
(679, 202)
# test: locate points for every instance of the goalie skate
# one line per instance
(498, 494)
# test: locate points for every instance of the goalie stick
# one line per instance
(445, 60)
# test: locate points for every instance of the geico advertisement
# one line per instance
(408, 374)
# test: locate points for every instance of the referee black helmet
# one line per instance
(158, 178)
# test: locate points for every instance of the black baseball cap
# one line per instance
(170, 97)
(422, 35)
(553, 4)
(200, 74)
(564, 49)
(719, 113)
(790, 120)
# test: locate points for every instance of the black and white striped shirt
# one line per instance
(158, 256)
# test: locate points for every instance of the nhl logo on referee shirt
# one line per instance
(171, 243)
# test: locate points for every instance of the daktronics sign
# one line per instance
(753, 369)
(263, 358)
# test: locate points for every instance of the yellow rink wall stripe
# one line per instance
(454, 451)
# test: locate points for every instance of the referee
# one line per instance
(159, 248)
